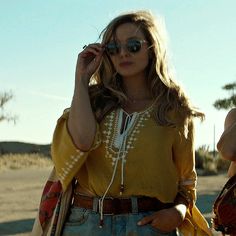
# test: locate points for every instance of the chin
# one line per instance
(129, 73)
(124, 75)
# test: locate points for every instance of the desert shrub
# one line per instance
(18, 161)
(199, 160)
(205, 160)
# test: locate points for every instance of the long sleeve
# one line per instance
(184, 156)
(66, 157)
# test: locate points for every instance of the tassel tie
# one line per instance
(121, 156)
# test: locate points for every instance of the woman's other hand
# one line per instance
(166, 220)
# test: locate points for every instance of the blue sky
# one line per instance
(40, 41)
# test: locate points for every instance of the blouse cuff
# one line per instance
(67, 158)
(189, 194)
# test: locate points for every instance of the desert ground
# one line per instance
(21, 190)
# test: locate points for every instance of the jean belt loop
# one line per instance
(95, 204)
(134, 202)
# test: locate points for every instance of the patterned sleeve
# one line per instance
(184, 156)
(66, 157)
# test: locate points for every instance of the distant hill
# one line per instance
(21, 147)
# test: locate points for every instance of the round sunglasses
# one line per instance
(132, 46)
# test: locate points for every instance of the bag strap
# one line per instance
(231, 181)
(228, 184)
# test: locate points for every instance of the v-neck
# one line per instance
(120, 139)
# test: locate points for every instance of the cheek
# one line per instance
(114, 62)
(144, 60)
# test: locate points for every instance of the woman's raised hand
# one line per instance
(88, 61)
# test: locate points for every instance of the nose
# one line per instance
(123, 51)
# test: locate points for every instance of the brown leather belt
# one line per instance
(120, 205)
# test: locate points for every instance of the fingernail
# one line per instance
(139, 223)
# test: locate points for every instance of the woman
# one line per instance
(227, 144)
(128, 138)
(224, 220)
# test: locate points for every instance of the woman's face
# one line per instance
(129, 51)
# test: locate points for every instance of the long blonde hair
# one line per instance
(107, 93)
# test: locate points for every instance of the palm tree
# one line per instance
(229, 102)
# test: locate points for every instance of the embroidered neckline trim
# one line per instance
(139, 112)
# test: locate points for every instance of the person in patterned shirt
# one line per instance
(128, 138)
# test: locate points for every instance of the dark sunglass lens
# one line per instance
(133, 46)
(112, 48)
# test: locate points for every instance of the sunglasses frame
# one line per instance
(118, 46)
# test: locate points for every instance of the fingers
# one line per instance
(161, 220)
(155, 223)
(146, 220)
(91, 54)
(152, 220)
(89, 59)
(92, 50)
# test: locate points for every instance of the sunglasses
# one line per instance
(132, 46)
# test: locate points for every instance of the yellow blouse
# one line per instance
(148, 159)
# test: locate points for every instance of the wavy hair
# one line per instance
(106, 91)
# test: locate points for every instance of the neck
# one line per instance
(136, 89)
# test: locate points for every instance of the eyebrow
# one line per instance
(132, 37)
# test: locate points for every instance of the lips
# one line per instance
(125, 63)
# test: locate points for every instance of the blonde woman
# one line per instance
(128, 138)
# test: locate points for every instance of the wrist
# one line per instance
(84, 77)
(180, 210)
(180, 199)
(82, 82)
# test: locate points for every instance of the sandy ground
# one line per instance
(21, 190)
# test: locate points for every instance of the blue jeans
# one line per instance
(85, 222)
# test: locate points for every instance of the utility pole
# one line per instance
(214, 144)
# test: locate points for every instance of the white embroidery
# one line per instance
(120, 142)
(69, 165)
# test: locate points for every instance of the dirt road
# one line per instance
(21, 190)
